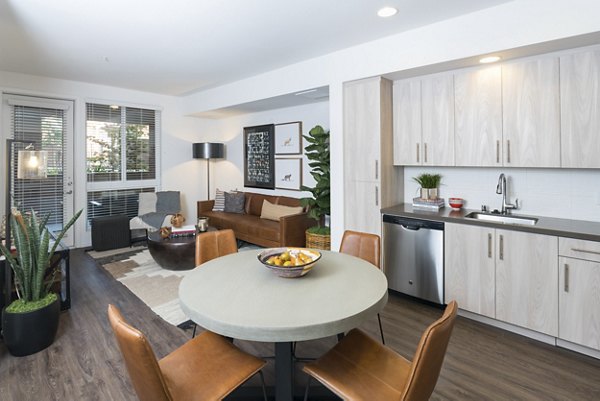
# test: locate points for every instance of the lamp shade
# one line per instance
(208, 150)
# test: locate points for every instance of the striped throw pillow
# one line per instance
(219, 205)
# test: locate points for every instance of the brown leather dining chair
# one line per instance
(359, 368)
(367, 247)
(205, 368)
(212, 244)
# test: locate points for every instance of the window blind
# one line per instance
(113, 202)
(46, 127)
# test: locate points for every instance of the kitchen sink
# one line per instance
(502, 219)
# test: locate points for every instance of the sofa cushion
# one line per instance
(254, 202)
(234, 202)
(146, 203)
(284, 200)
(275, 212)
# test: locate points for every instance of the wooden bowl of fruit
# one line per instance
(289, 262)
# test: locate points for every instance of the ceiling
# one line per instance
(177, 47)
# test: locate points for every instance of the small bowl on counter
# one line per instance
(456, 203)
(289, 262)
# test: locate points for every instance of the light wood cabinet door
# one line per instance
(470, 268)
(362, 127)
(407, 123)
(531, 113)
(579, 295)
(526, 280)
(580, 109)
(362, 207)
(478, 115)
(437, 102)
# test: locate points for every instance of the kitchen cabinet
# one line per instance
(478, 117)
(530, 112)
(470, 268)
(508, 275)
(526, 280)
(580, 109)
(579, 292)
(424, 121)
(370, 179)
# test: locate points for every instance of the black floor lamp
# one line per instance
(32, 165)
(208, 150)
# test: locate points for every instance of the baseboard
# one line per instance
(578, 348)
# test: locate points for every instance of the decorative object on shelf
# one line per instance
(208, 150)
(288, 174)
(288, 138)
(428, 204)
(259, 151)
(202, 225)
(317, 152)
(177, 220)
(456, 203)
(429, 185)
(36, 311)
(165, 232)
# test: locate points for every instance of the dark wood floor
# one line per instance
(482, 363)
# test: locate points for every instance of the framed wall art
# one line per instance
(259, 150)
(288, 174)
(288, 138)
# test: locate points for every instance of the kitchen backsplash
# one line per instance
(563, 193)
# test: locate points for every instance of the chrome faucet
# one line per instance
(501, 190)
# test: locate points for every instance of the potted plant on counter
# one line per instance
(319, 206)
(429, 185)
(29, 323)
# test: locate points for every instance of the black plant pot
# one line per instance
(30, 332)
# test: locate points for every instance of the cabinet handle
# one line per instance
(418, 153)
(497, 151)
(489, 245)
(566, 278)
(501, 247)
(508, 150)
(425, 150)
(376, 195)
(585, 251)
(376, 169)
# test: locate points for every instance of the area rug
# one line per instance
(156, 287)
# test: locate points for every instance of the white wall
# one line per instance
(507, 26)
(229, 174)
(563, 193)
(177, 133)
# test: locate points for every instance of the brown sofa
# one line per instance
(249, 227)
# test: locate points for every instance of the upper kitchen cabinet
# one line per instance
(424, 121)
(478, 115)
(371, 182)
(530, 110)
(580, 109)
(407, 123)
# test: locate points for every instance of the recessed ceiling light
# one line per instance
(489, 59)
(387, 12)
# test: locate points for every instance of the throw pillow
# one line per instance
(234, 202)
(219, 205)
(275, 212)
(168, 202)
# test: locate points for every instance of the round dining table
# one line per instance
(238, 297)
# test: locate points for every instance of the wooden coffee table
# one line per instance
(178, 253)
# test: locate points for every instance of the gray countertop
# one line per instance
(580, 229)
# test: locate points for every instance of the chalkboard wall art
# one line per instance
(259, 160)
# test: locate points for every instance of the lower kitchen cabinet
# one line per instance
(508, 275)
(470, 268)
(526, 280)
(579, 299)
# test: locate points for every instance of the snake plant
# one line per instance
(33, 255)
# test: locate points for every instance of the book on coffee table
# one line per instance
(183, 230)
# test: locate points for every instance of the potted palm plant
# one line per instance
(29, 323)
(429, 185)
(317, 152)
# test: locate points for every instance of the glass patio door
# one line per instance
(48, 124)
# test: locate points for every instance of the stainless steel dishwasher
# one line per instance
(413, 257)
